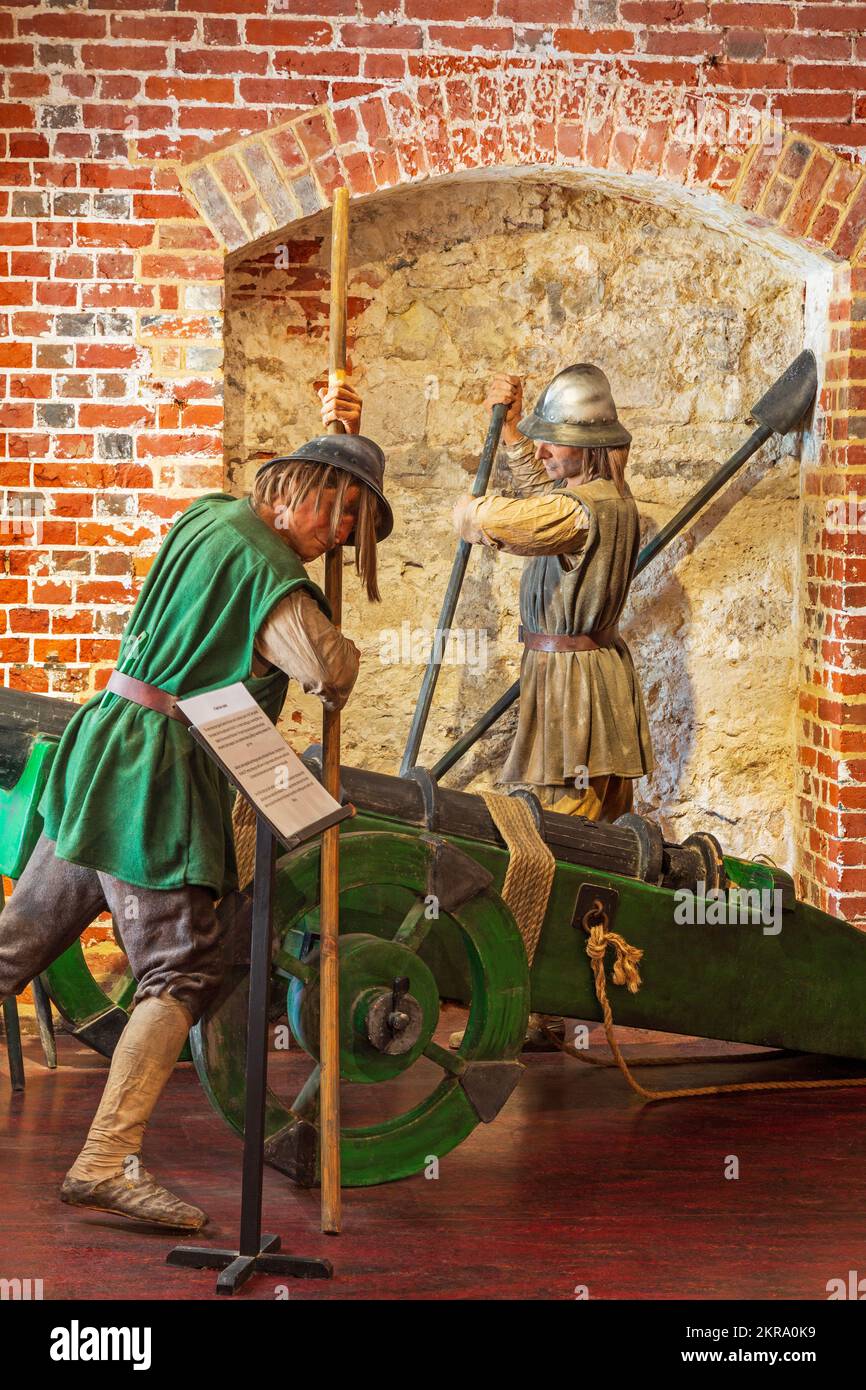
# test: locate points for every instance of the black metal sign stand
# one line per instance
(256, 1254)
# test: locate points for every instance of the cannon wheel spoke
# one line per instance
(388, 873)
(448, 1061)
(306, 1103)
(413, 930)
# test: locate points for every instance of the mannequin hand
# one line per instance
(341, 403)
(507, 390)
(458, 519)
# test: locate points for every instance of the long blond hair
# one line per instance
(285, 486)
(610, 463)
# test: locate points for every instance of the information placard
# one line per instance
(257, 759)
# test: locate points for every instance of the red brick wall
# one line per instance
(121, 198)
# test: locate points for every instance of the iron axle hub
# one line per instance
(389, 1008)
(392, 1019)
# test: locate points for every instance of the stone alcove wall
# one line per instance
(690, 322)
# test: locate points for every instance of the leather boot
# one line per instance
(137, 1198)
(108, 1174)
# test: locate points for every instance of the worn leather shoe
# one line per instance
(141, 1199)
(538, 1038)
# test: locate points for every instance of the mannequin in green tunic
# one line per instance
(137, 819)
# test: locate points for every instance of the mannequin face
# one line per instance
(306, 528)
(560, 460)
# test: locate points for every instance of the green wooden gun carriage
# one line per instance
(422, 919)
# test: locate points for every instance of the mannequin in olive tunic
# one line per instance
(582, 734)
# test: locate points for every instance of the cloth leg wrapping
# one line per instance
(140, 1067)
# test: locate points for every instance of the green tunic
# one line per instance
(130, 791)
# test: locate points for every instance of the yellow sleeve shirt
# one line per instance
(528, 475)
(547, 521)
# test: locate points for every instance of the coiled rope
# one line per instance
(625, 972)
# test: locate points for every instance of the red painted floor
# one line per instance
(576, 1183)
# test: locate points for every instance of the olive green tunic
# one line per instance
(130, 791)
(582, 709)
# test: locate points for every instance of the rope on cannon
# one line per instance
(625, 972)
(526, 892)
(531, 866)
(244, 826)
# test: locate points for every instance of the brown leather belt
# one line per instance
(582, 642)
(140, 693)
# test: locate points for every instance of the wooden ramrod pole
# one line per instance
(329, 1036)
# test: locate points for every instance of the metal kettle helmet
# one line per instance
(576, 408)
(351, 453)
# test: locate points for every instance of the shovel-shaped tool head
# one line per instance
(784, 405)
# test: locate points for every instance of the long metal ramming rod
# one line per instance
(452, 594)
(777, 412)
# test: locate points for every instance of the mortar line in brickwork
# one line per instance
(843, 356)
(841, 813)
(820, 208)
(822, 201)
(776, 176)
(747, 161)
(830, 722)
(841, 353)
(266, 137)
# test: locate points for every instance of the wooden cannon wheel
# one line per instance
(401, 896)
(95, 1011)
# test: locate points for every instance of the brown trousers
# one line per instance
(606, 798)
(172, 936)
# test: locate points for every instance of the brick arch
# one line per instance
(764, 178)
(457, 118)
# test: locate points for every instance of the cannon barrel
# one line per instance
(632, 847)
